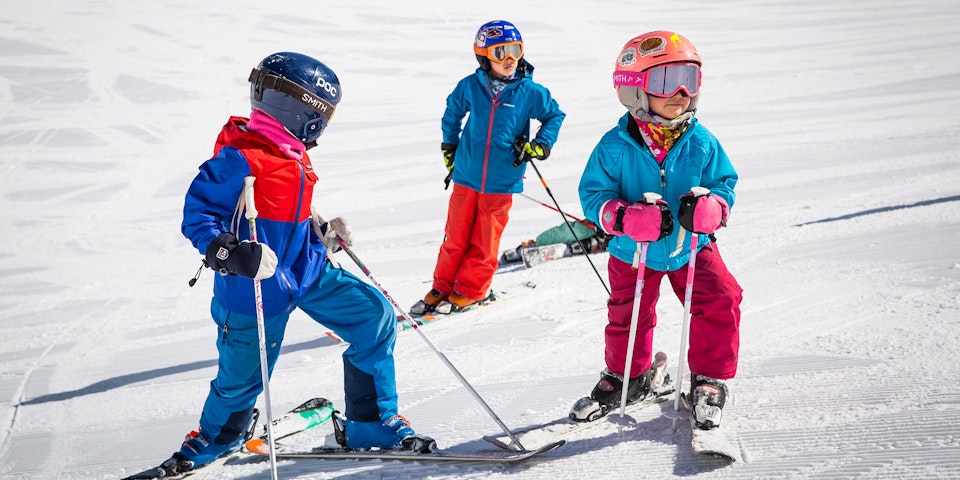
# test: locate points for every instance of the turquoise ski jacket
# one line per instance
(485, 153)
(621, 168)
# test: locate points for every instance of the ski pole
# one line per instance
(261, 333)
(584, 222)
(582, 247)
(640, 263)
(687, 296)
(514, 440)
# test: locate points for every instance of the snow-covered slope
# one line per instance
(840, 117)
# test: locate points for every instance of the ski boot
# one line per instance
(706, 400)
(513, 256)
(459, 302)
(605, 396)
(393, 433)
(591, 244)
(429, 303)
(196, 451)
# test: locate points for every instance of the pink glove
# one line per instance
(642, 222)
(703, 214)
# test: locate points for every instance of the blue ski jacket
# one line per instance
(485, 152)
(283, 191)
(620, 168)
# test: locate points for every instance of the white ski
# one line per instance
(714, 442)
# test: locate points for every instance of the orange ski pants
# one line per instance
(470, 250)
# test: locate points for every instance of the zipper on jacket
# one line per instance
(296, 223)
(223, 333)
(486, 153)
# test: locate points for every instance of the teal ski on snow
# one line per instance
(310, 414)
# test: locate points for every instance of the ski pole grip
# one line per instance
(248, 197)
(518, 150)
(699, 191)
(651, 198)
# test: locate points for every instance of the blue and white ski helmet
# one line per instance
(297, 90)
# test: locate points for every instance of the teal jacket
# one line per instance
(485, 153)
(622, 168)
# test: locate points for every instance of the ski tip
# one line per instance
(547, 447)
(495, 441)
(258, 446)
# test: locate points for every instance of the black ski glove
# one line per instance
(527, 151)
(449, 152)
(249, 259)
(534, 149)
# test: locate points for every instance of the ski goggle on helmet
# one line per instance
(660, 63)
(500, 53)
(498, 40)
(663, 80)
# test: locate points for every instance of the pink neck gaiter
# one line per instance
(659, 139)
(269, 127)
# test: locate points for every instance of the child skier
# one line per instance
(500, 98)
(659, 147)
(293, 97)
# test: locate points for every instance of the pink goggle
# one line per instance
(663, 80)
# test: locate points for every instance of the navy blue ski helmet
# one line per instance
(494, 33)
(299, 91)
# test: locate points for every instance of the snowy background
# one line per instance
(840, 117)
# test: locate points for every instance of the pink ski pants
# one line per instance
(714, 324)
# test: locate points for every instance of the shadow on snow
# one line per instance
(129, 379)
(882, 210)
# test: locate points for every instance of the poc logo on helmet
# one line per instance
(326, 86)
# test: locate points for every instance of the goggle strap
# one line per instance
(264, 80)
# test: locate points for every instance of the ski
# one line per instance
(310, 414)
(533, 256)
(529, 254)
(445, 309)
(161, 472)
(284, 452)
(307, 415)
(563, 428)
(714, 442)
(587, 412)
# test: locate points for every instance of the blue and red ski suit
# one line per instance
(304, 280)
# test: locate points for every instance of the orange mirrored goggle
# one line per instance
(500, 52)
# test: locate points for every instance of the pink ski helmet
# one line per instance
(649, 50)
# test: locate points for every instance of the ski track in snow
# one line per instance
(838, 116)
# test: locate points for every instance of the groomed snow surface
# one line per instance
(840, 117)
